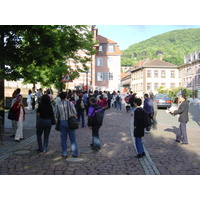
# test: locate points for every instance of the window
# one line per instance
(172, 85)
(172, 74)
(99, 61)
(101, 48)
(163, 84)
(198, 79)
(155, 73)
(149, 73)
(110, 61)
(162, 73)
(99, 76)
(156, 86)
(148, 86)
(110, 78)
(104, 76)
(110, 48)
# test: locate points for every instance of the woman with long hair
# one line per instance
(44, 113)
(18, 107)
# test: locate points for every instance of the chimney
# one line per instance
(161, 57)
(95, 31)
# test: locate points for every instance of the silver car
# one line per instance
(163, 100)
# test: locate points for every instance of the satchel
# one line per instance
(12, 114)
(73, 123)
(57, 127)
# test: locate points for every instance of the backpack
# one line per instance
(97, 118)
(118, 98)
(146, 119)
(82, 104)
(127, 98)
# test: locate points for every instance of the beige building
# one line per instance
(190, 72)
(148, 75)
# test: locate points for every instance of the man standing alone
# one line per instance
(148, 107)
(183, 119)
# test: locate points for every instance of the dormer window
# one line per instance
(101, 48)
(110, 48)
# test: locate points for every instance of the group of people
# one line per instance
(64, 109)
(77, 103)
(150, 108)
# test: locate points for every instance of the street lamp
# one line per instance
(86, 71)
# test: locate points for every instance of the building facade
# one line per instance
(189, 72)
(107, 65)
(148, 75)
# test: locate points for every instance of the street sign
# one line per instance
(66, 78)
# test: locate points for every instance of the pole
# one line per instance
(2, 67)
(87, 81)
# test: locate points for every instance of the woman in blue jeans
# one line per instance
(44, 113)
(94, 123)
(65, 109)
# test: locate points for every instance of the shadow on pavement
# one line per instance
(170, 157)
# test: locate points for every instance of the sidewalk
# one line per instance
(164, 155)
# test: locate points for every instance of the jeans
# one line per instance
(119, 105)
(80, 115)
(132, 109)
(139, 145)
(103, 113)
(95, 137)
(64, 131)
(43, 125)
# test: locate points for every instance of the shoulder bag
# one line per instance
(72, 121)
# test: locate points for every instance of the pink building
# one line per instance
(107, 65)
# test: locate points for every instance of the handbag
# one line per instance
(57, 127)
(72, 121)
(12, 114)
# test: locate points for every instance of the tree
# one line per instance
(39, 53)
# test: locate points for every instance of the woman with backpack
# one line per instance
(95, 120)
(80, 108)
(102, 102)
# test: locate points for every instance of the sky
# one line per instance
(126, 35)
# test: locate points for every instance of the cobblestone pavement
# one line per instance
(164, 155)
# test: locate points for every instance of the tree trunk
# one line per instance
(2, 67)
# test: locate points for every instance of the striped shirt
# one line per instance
(63, 108)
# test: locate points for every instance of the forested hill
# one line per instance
(174, 45)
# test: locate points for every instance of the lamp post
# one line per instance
(86, 71)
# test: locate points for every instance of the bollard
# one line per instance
(1, 129)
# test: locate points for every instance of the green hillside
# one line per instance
(174, 45)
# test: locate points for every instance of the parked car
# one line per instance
(163, 100)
